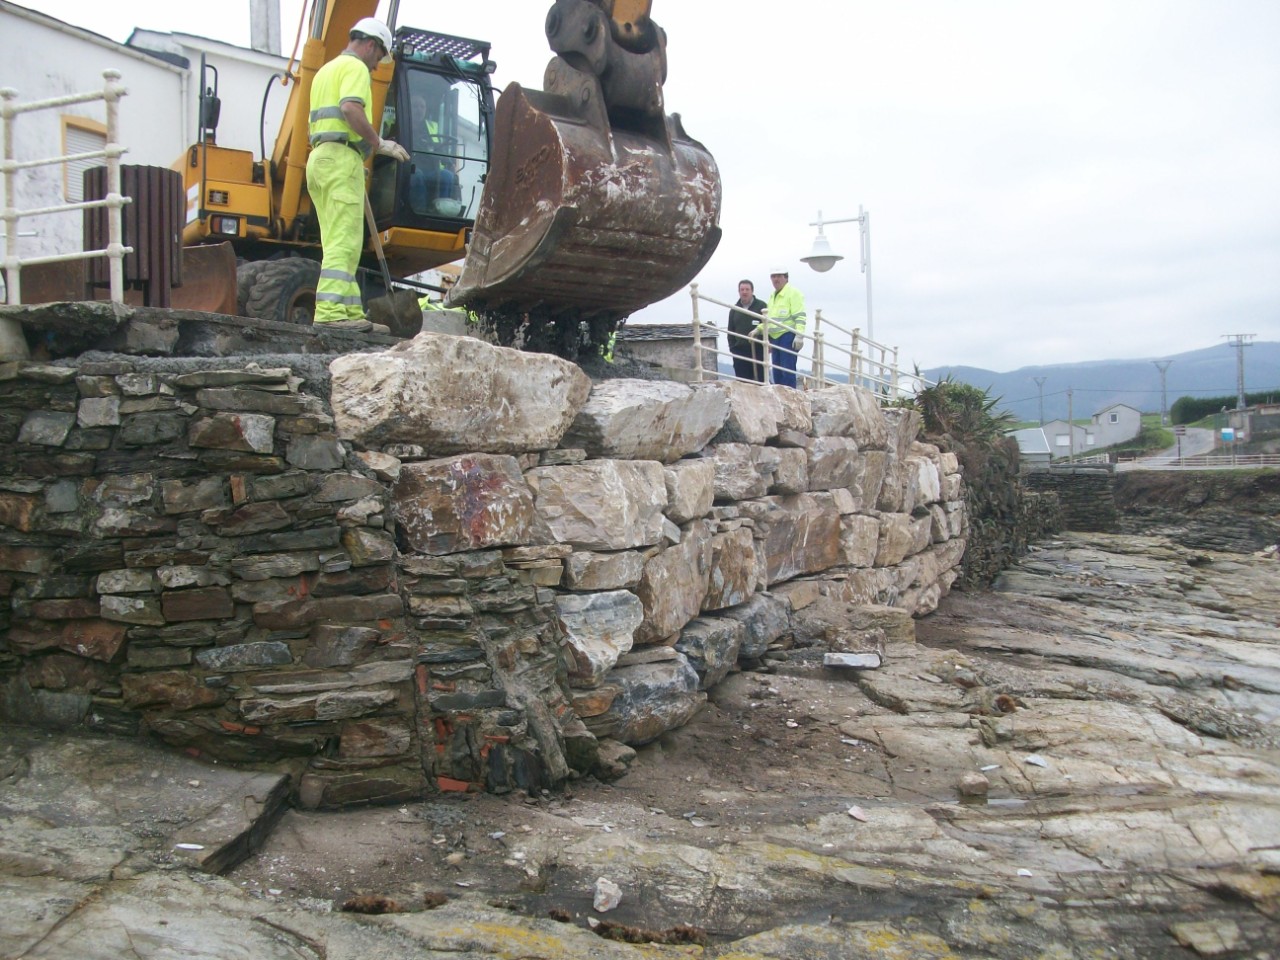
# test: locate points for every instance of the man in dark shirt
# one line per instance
(748, 353)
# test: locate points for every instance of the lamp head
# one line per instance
(821, 258)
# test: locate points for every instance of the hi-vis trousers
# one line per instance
(335, 181)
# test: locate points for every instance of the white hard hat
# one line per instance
(375, 28)
(779, 270)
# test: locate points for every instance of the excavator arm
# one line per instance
(629, 16)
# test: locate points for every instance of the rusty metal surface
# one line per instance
(152, 225)
(209, 285)
(596, 204)
(579, 218)
(54, 282)
(208, 280)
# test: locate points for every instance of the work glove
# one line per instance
(389, 148)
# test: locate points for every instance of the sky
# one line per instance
(1046, 182)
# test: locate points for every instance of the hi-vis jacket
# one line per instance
(343, 78)
(786, 311)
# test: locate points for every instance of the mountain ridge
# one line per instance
(1095, 385)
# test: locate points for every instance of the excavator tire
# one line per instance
(284, 291)
(246, 276)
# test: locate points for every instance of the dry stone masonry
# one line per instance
(451, 567)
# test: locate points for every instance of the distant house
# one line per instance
(1260, 422)
(1067, 439)
(1116, 424)
(1033, 448)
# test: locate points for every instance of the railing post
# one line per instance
(819, 367)
(697, 336)
(11, 263)
(855, 349)
(13, 345)
(115, 234)
(768, 350)
(817, 350)
(893, 387)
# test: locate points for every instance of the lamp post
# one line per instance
(822, 258)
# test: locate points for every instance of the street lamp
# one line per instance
(822, 258)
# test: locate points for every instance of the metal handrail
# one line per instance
(876, 368)
(1202, 461)
(12, 343)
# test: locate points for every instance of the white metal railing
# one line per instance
(115, 250)
(863, 362)
(1212, 461)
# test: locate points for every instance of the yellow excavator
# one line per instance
(574, 206)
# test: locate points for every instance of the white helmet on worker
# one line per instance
(779, 272)
(374, 29)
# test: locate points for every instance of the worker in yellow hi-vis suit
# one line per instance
(342, 137)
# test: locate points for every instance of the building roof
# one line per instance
(1112, 406)
(663, 331)
(1031, 441)
(170, 46)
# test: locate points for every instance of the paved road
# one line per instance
(1197, 442)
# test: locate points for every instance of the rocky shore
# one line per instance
(1082, 762)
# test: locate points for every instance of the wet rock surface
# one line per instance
(1118, 695)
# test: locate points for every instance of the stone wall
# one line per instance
(451, 567)
(1085, 494)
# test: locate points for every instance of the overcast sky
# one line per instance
(1047, 182)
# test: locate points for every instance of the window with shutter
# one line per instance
(80, 135)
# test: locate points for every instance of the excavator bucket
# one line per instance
(575, 218)
(596, 203)
(208, 280)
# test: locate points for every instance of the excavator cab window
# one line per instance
(440, 112)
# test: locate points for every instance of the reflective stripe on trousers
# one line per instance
(335, 181)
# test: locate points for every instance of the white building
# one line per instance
(1116, 424)
(1067, 439)
(1033, 448)
(42, 57)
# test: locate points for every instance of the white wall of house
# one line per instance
(1061, 434)
(243, 77)
(42, 57)
(1116, 424)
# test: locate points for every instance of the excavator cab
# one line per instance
(439, 107)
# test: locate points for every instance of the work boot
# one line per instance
(348, 326)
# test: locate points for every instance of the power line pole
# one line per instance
(1071, 428)
(1162, 366)
(1040, 383)
(1239, 341)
